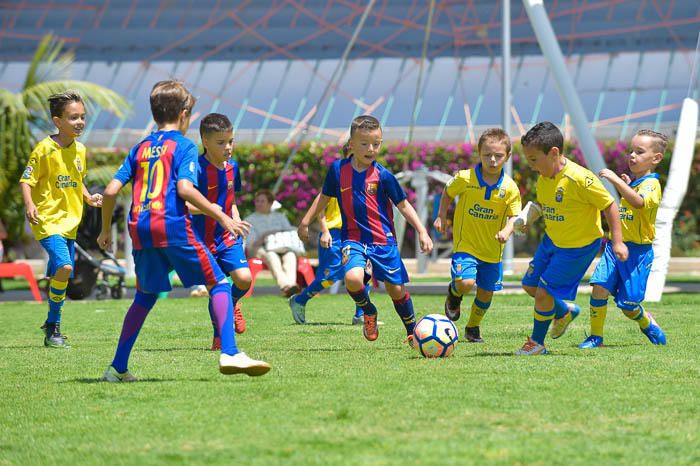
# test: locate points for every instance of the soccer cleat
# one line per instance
(53, 337)
(240, 363)
(594, 341)
(411, 340)
(369, 328)
(298, 310)
(452, 305)
(559, 326)
(358, 320)
(473, 334)
(654, 332)
(216, 344)
(531, 348)
(111, 375)
(238, 319)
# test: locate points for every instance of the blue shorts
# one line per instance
(387, 265)
(330, 263)
(560, 270)
(626, 281)
(232, 258)
(193, 263)
(61, 252)
(489, 276)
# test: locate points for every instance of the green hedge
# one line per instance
(261, 165)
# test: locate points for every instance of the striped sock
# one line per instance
(541, 324)
(133, 321)
(312, 290)
(478, 312)
(362, 301)
(640, 315)
(599, 310)
(57, 297)
(404, 308)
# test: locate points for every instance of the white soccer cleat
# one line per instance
(531, 212)
(111, 375)
(240, 363)
(531, 348)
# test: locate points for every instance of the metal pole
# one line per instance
(339, 70)
(565, 86)
(426, 38)
(505, 44)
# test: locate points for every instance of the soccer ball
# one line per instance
(436, 336)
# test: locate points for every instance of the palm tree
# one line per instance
(25, 113)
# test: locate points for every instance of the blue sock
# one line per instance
(213, 320)
(361, 298)
(560, 308)
(222, 308)
(57, 297)
(310, 291)
(133, 321)
(404, 308)
(358, 310)
(541, 324)
(237, 293)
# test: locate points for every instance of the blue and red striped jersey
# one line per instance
(365, 201)
(219, 187)
(158, 216)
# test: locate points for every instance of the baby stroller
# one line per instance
(95, 268)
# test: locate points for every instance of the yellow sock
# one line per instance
(599, 310)
(478, 312)
(639, 315)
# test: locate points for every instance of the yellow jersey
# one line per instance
(482, 211)
(333, 217)
(56, 177)
(638, 224)
(571, 204)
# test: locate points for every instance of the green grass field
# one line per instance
(334, 398)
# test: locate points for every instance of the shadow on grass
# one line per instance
(85, 380)
(170, 350)
(325, 324)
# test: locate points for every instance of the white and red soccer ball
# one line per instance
(435, 336)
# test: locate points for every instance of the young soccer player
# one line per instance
(163, 169)
(365, 191)
(218, 179)
(488, 202)
(571, 198)
(627, 281)
(53, 192)
(330, 266)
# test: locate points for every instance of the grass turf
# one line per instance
(334, 398)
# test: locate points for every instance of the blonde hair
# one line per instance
(660, 140)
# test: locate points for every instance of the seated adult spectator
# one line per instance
(273, 239)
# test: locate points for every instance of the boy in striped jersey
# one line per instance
(163, 169)
(365, 192)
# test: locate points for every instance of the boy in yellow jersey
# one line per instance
(627, 281)
(489, 201)
(330, 268)
(53, 192)
(571, 198)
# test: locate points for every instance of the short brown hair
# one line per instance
(364, 123)
(168, 100)
(660, 139)
(497, 134)
(57, 102)
(267, 193)
(543, 136)
(214, 123)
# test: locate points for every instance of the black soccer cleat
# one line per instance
(53, 337)
(473, 335)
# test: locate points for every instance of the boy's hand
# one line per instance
(326, 239)
(303, 231)
(626, 178)
(95, 200)
(440, 225)
(104, 241)
(503, 235)
(32, 214)
(238, 228)
(608, 174)
(620, 251)
(426, 244)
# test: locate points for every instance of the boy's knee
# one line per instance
(531, 290)
(395, 291)
(465, 285)
(242, 280)
(543, 300)
(354, 279)
(598, 292)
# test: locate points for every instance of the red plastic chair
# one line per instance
(305, 272)
(21, 269)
